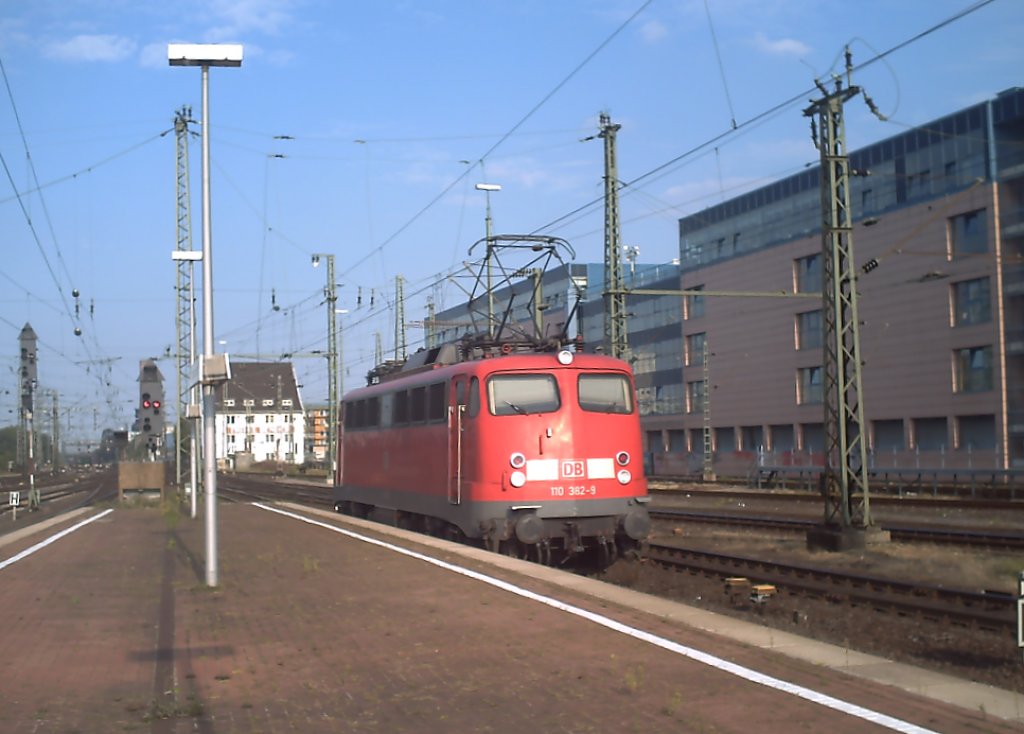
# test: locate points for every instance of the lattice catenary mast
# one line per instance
(845, 477)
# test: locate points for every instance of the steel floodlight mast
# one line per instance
(205, 56)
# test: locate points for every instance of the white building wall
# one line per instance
(267, 436)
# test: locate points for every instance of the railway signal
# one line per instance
(150, 417)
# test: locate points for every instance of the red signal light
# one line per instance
(156, 403)
(146, 404)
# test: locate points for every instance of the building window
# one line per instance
(807, 274)
(725, 439)
(809, 330)
(968, 234)
(919, 186)
(888, 435)
(972, 302)
(973, 369)
(286, 403)
(695, 396)
(249, 403)
(782, 437)
(929, 434)
(229, 402)
(697, 440)
(693, 305)
(976, 432)
(268, 403)
(695, 345)
(809, 385)
(751, 438)
(812, 437)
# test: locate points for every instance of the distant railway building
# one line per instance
(260, 416)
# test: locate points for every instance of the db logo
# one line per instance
(572, 469)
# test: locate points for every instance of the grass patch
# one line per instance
(190, 708)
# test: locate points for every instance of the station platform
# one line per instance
(324, 623)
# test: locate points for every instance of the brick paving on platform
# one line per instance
(113, 629)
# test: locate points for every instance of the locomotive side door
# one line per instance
(457, 400)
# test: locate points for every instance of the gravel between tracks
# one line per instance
(971, 654)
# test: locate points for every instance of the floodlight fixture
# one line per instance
(204, 54)
(488, 187)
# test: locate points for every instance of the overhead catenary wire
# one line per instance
(664, 168)
(764, 115)
(721, 66)
(636, 182)
(502, 139)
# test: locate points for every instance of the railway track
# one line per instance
(672, 488)
(949, 535)
(995, 485)
(89, 489)
(993, 611)
(247, 489)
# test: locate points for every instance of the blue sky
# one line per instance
(360, 128)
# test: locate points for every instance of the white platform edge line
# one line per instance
(740, 671)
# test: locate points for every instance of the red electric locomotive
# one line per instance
(533, 454)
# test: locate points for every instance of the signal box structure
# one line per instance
(150, 413)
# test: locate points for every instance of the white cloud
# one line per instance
(239, 17)
(780, 47)
(89, 47)
(153, 55)
(653, 31)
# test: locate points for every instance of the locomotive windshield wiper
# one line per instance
(516, 408)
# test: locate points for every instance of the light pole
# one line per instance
(487, 188)
(205, 56)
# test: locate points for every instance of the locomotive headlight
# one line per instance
(624, 476)
(517, 479)
(517, 460)
(565, 358)
(622, 458)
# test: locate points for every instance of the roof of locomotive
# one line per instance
(546, 360)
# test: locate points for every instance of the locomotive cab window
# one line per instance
(605, 393)
(522, 394)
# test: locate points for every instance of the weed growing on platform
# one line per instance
(190, 708)
(634, 678)
(171, 511)
(673, 704)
